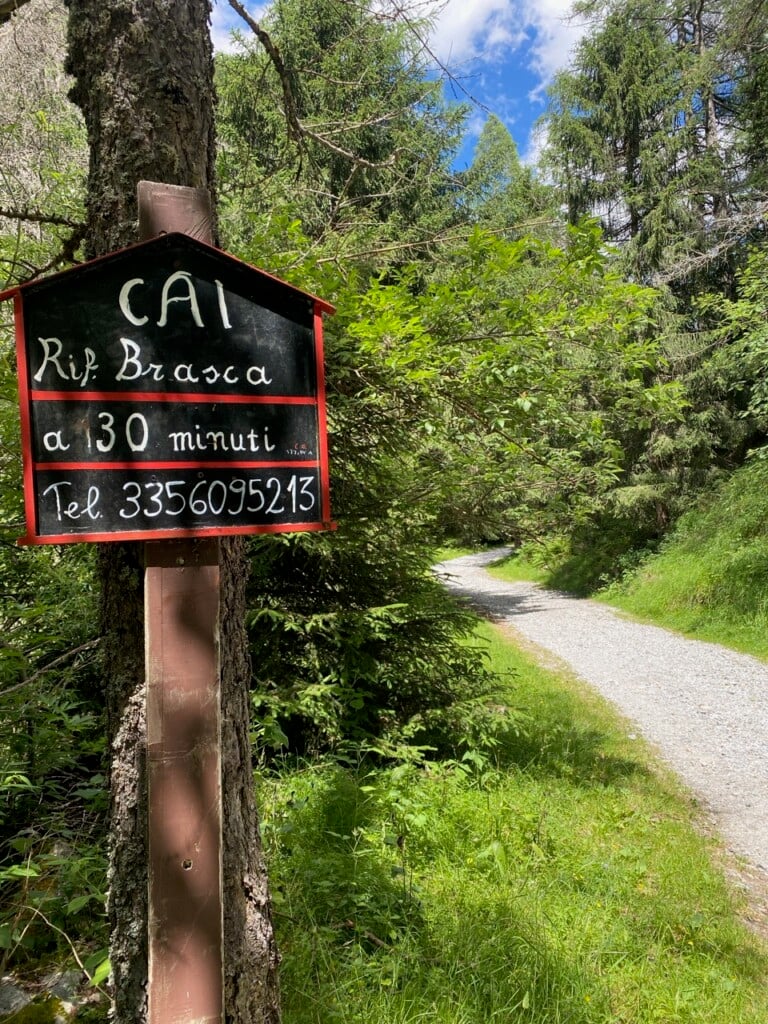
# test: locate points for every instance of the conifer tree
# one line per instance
(499, 191)
(638, 129)
(336, 123)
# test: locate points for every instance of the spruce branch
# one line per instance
(296, 129)
(273, 52)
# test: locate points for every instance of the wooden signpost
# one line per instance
(173, 394)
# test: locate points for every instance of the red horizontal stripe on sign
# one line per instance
(206, 531)
(193, 397)
(146, 466)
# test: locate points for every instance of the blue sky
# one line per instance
(503, 52)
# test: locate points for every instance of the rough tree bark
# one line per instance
(144, 80)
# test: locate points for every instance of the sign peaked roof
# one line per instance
(175, 242)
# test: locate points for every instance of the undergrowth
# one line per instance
(542, 870)
(710, 579)
(548, 873)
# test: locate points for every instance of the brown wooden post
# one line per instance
(182, 587)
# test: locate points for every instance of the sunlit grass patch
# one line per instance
(550, 874)
(710, 579)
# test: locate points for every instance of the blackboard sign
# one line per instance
(170, 390)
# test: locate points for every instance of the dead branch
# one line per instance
(56, 663)
(35, 217)
(273, 52)
(735, 227)
(401, 14)
(439, 238)
(354, 158)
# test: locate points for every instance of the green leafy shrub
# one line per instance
(354, 649)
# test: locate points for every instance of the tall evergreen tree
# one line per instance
(43, 146)
(336, 124)
(746, 27)
(638, 130)
(499, 192)
(353, 639)
(645, 132)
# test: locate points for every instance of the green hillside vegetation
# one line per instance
(710, 577)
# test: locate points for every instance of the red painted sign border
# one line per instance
(30, 467)
(180, 534)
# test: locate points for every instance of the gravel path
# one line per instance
(704, 707)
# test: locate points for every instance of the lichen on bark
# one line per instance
(144, 82)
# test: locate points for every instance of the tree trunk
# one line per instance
(711, 127)
(144, 81)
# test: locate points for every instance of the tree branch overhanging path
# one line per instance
(701, 705)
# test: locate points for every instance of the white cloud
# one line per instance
(466, 29)
(224, 19)
(556, 36)
(492, 30)
(537, 143)
(474, 126)
(496, 40)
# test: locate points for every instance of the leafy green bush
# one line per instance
(52, 791)
(354, 642)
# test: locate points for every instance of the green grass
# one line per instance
(710, 580)
(553, 875)
(519, 567)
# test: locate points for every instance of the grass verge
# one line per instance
(550, 875)
(710, 578)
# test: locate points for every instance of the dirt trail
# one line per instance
(704, 707)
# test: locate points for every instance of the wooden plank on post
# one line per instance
(182, 590)
(183, 736)
(165, 208)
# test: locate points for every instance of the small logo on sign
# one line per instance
(300, 448)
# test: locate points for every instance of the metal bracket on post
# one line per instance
(182, 590)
